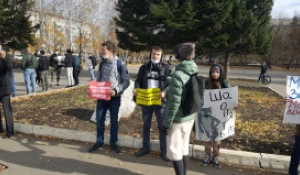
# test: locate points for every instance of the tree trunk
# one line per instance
(226, 65)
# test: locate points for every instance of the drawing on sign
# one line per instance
(216, 120)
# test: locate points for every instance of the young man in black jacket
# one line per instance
(43, 67)
(69, 62)
(153, 75)
(6, 66)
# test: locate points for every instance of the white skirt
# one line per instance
(178, 140)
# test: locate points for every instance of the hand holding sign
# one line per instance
(100, 90)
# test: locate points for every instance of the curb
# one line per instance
(249, 159)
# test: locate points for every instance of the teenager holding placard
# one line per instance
(216, 80)
(295, 157)
(153, 74)
(114, 71)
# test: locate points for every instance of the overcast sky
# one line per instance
(286, 8)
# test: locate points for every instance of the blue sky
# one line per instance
(286, 8)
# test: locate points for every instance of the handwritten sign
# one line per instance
(216, 121)
(148, 97)
(99, 90)
(292, 109)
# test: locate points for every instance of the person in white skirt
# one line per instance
(178, 127)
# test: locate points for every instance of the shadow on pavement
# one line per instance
(39, 159)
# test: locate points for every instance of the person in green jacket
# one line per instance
(28, 64)
(178, 127)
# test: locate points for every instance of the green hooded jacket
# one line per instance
(31, 57)
(176, 89)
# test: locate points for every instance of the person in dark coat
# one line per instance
(6, 66)
(69, 62)
(44, 64)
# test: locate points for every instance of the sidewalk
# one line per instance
(28, 155)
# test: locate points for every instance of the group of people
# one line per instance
(36, 69)
(174, 127)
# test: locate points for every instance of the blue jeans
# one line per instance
(295, 158)
(12, 83)
(30, 75)
(147, 112)
(91, 71)
(113, 106)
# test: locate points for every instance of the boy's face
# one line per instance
(156, 54)
(215, 74)
(106, 53)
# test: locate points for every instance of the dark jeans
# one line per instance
(76, 72)
(295, 158)
(113, 106)
(5, 100)
(147, 112)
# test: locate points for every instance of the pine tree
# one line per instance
(16, 30)
(135, 29)
(218, 27)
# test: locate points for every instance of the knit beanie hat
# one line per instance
(186, 51)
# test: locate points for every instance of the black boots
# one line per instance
(185, 163)
(180, 166)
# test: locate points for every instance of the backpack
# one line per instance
(119, 66)
(76, 61)
(29, 61)
(193, 98)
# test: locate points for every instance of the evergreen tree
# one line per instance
(16, 31)
(217, 27)
(135, 29)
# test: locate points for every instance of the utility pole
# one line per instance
(71, 29)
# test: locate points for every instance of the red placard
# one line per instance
(99, 90)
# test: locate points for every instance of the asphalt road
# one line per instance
(278, 77)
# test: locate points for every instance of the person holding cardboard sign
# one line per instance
(153, 75)
(114, 71)
(295, 157)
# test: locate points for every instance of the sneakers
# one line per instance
(206, 160)
(164, 157)
(115, 148)
(95, 147)
(142, 152)
(216, 162)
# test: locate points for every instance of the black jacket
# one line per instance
(53, 63)
(6, 66)
(164, 70)
(94, 62)
(69, 60)
(44, 63)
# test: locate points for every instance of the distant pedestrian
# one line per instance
(76, 69)
(177, 126)
(43, 68)
(263, 70)
(38, 73)
(6, 66)
(69, 62)
(115, 71)
(29, 64)
(56, 65)
(91, 64)
(295, 157)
